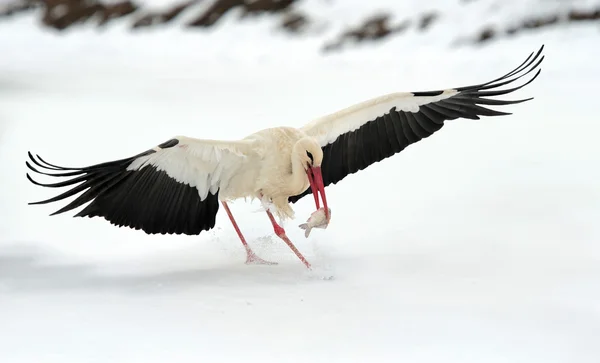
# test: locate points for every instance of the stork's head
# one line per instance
(311, 156)
(311, 153)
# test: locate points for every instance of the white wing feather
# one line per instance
(327, 128)
(207, 165)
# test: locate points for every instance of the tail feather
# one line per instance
(306, 229)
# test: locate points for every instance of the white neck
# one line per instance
(299, 180)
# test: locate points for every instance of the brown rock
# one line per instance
(61, 14)
(18, 7)
(294, 22)
(575, 15)
(118, 10)
(250, 7)
(257, 7)
(374, 28)
(215, 12)
(540, 22)
(535, 23)
(162, 18)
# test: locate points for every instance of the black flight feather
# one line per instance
(145, 199)
(392, 132)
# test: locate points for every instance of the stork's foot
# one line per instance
(287, 241)
(253, 259)
(280, 232)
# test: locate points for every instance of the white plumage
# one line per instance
(177, 186)
(328, 128)
(207, 165)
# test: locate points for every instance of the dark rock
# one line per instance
(545, 21)
(374, 28)
(215, 12)
(539, 22)
(575, 15)
(249, 7)
(294, 22)
(155, 18)
(427, 20)
(18, 7)
(61, 14)
(258, 7)
(485, 35)
(117, 10)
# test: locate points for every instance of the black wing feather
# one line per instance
(391, 133)
(146, 199)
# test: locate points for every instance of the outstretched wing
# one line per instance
(368, 132)
(172, 188)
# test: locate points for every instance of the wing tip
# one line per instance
(31, 179)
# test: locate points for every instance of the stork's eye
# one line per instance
(310, 157)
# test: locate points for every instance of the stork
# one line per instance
(177, 187)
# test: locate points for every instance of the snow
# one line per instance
(478, 244)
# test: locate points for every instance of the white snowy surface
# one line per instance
(478, 244)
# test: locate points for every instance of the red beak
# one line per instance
(316, 184)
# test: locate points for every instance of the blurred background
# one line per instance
(478, 244)
(337, 23)
(309, 27)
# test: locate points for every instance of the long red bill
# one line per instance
(311, 180)
(316, 183)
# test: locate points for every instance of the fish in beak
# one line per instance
(315, 179)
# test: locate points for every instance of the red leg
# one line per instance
(251, 257)
(280, 232)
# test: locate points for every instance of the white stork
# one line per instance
(176, 187)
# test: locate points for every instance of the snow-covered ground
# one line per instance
(478, 244)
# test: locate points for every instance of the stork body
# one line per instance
(177, 186)
(282, 155)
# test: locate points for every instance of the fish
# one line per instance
(316, 220)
